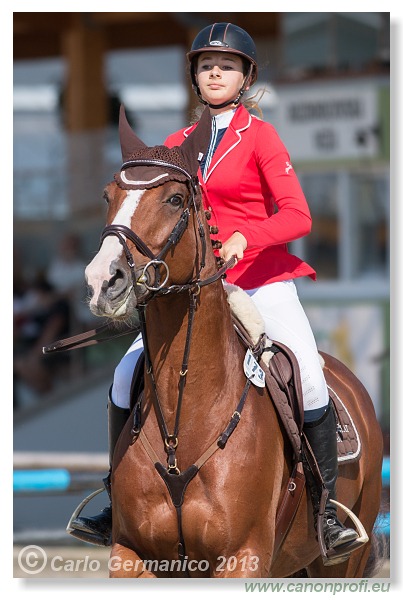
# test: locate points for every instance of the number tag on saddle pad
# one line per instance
(252, 370)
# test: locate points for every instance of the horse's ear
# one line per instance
(196, 144)
(129, 142)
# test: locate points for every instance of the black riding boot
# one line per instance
(100, 526)
(321, 435)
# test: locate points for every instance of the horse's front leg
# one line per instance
(247, 563)
(126, 563)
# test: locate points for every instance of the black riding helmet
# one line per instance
(224, 37)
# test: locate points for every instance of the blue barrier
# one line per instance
(61, 480)
(72, 479)
(382, 524)
(386, 471)
(42, 480)
(37, 481)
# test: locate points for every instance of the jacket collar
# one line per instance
(232, 137)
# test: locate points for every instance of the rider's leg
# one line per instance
(101, 524)
(287, 323)
(321, 435)
(118, 413)
(122, 378)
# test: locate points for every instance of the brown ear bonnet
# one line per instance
(147, 167)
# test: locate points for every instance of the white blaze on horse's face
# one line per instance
(102, 267)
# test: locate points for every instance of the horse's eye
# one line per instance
(106, 197)
(175, 201)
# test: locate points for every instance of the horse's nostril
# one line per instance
(117, 283)
(116, 279)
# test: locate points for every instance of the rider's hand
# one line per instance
(234, 246)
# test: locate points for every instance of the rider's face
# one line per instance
(219, 76)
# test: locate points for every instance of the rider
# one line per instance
(245, 174)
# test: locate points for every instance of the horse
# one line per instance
(185, 505)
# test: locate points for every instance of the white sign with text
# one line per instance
(328, 121)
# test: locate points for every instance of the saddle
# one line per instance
(283, 383)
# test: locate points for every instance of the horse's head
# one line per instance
(153, 214)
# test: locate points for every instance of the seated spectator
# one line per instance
(66, 274)
(40, 317)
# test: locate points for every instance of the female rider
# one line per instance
(257, 204)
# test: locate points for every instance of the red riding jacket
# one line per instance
(251, 187)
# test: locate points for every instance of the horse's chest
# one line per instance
(152, 510)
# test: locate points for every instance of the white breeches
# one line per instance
(122, 378)
(285, 322)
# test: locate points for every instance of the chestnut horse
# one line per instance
(218, 516)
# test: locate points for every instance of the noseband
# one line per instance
(157, 260)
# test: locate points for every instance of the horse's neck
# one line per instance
(167, 324)
(213, 344)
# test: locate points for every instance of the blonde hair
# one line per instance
(251, 103)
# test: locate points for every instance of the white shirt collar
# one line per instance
(222, 120)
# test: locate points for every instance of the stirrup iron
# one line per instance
(336, 555)
(82, 535)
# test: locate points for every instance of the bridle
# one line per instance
(157, 260)
(171, 472)
(104, 332)
(159, 288)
